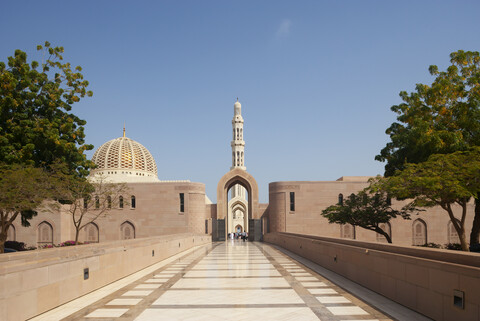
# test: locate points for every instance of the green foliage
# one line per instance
(443, 180)
(87, 200)
(437, 119)
(431, 245)
(23, 189)
(36, 126)
(440, 118)
(18, 246)
(453, 246)
(365, 210)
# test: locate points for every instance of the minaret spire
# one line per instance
(238, 144)
(123, 129)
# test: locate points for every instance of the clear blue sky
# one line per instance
(316, 79)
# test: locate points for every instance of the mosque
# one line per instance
(154, 207)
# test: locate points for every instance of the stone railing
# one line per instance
(33, 282)
(441, 284)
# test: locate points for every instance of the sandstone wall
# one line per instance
(33, 282)
(313, 197)
(424, 280)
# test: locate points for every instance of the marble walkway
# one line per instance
(230, 280)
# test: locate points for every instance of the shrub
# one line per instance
(19, 246)
(453, 246)
(432, 245)
(67, 243)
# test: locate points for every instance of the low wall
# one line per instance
(422, 279)
(33, 282)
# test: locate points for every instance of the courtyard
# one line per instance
(241, 280)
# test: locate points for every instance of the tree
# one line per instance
(443, 180)
(438, 119)
(23, 190)
(87, 200)
(36, 126)
(367, 210)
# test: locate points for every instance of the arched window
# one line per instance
(340, 199)
(238, 133)
(386, 227)
(11, 233)
(419, 232)
(452, 233)
(133, 202)
(241, 133)
(97, 202)
(348, 231)
(234, 134)
(127, 230)
(120, 202)
(44, 233)
(91, 233)
(109, 201)
(85, 202)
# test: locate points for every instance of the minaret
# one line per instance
(238, 144)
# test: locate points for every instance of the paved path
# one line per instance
(231, 280)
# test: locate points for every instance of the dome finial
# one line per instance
(123, 129)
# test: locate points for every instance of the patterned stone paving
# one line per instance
(232, 280)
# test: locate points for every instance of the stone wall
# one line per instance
(311, 198)
(422, 279)
(157, 212)
(33, 282)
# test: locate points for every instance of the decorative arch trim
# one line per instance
(126, 235)
(45, 231)
(87, 230)
(242, 177)
(419, 232)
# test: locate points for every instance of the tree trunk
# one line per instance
(463, 241)
(474, 234)
(77, 232)
(459, 227)
(380, 231)
(3, 239)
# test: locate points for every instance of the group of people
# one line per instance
(235, 236)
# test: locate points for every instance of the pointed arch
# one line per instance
(44, 233)
(91, 233)
(120, 201)
(133, 202)
(242, 177)
(127, 230)
(348, 231)
(340, 199)
(387, 228)
(419, 232)
(452, 233)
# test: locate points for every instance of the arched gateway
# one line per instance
(230, 179)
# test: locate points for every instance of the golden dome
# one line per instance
(124, 156)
